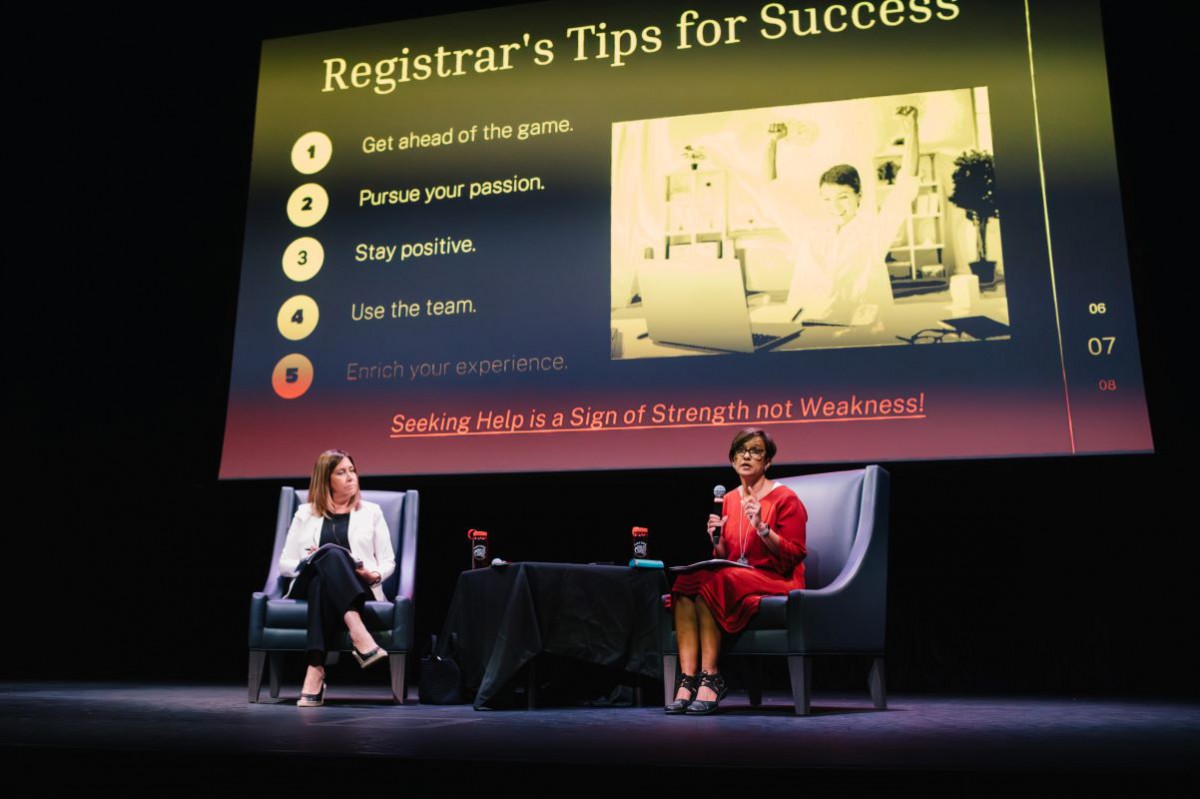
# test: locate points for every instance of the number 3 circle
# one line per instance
(303, 258)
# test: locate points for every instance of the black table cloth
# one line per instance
(503, 616)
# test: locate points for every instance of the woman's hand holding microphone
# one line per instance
(715, 525)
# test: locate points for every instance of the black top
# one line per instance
(336, 530)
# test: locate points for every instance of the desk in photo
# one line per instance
(904, 320)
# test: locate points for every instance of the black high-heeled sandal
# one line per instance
(692, 683)
(367, 658)
(313, 700)
(716, 683)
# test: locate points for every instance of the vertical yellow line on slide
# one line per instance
(1037, 125)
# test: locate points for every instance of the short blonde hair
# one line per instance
(319, 494)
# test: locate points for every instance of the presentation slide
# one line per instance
(568, 236)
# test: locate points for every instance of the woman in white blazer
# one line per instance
(339, 551)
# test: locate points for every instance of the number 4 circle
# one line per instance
(298, 317)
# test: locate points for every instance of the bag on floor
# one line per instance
(440, 678)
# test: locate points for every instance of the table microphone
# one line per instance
(719, 501)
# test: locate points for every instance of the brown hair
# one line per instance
(319, 494)
(748, 433)
(842, 175)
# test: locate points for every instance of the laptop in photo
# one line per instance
(700, 303)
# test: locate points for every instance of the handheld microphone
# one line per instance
(719, 503)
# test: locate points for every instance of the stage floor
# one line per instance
(1107, 742)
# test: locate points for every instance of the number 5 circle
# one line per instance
(292, 376)
(298, 317)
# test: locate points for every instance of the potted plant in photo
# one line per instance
(975, 192)
(887, 172)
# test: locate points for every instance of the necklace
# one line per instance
(333, 528)
(742, 540)
(743, 532)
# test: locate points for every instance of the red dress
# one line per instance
(733, 594)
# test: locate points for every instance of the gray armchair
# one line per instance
(279, 625)
(843, 609)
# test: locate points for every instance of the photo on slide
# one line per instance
(857, 223)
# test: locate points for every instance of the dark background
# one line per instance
(128, 557)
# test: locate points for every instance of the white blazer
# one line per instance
(370, 542)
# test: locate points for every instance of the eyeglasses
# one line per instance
(754, 453)
(931, 336)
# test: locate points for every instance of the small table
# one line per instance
(504, 616)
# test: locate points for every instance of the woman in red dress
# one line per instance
(763, 527)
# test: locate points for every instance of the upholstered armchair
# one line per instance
(279, 625)
(843, 608)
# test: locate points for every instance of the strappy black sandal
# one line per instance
(716, 683)
(313, 700)
(367, 658)
(692, 683)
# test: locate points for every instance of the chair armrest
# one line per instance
(848, 616)
(258, 619)
(402, 624)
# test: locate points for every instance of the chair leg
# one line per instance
(258, 659)
(670, 664)
(754, 681)
(877, 684)
(274, 669)
(800, 670)
(397, 662)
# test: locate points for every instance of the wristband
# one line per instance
(765, 532)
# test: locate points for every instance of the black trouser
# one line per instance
(332, 587)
